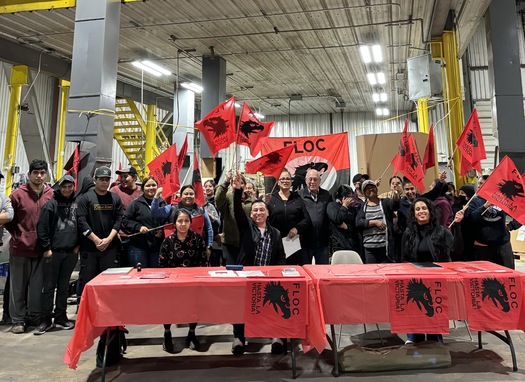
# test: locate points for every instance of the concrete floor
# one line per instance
(26, 357)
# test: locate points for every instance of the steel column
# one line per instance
(150, 133)
(19, 77)
(505, 80)
(64, 91)
(94, 75)
(422, 115)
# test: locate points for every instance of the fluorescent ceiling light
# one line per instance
(237, 104)
(383, 97)
(258, 115)
(145, 68)
(386, 112)
(371, 78)
(365, 54)
(376, 52)
(375, 97)
(192, 86)
(156, 67)
(381, 77)
(379, 111)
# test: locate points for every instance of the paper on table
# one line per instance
(250, 274)
(224, 273)
(291, 245)
(117, 271)
(521, 234)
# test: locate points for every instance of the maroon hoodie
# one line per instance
(27, 205)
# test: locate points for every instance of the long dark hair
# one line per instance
(435, 230)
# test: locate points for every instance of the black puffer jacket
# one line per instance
(138, 214)
(57, 224)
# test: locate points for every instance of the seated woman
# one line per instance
(183, 248)
(144, 248)
(425, 240)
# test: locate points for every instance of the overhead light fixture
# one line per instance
(376, 52)
(365, 54)
(383, 97)
(386, 111)
(381, 77)
(156, 67)
(371, 78)
(192, 86)
(375, 97)
(258, 115)
(145, 68)
(379, 111)
(237, 104)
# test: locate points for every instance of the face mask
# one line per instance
(463, 200)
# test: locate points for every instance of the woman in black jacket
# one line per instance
(425, 240)
(289, 215)
(144, 248)
(342, 220)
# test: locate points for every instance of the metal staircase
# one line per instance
(130, 133)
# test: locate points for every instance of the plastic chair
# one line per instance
(349, 257)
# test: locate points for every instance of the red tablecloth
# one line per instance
(358, 294)
(187, 295)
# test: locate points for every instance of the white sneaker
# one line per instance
(409, 342)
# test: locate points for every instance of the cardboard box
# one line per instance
(376, 151)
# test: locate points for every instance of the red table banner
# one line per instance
(276, 308)
(493, 301)
(417, 305)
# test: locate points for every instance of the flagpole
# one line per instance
(463, 209)
(151, 229)
(386, 169)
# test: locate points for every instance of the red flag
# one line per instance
(504, 188)
(218, 127)
(399, 160)
(182, 152)
(197, 225)
(429, 159)
(271, 164)
(251, 131)
(413, 169)
(73, 171)
(166, 170)
(197, 182)
(471, 145)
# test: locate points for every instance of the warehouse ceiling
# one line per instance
(273, 48)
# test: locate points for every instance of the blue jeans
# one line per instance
(147, 258)
(416, 337)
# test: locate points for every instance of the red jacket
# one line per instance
(27, 205)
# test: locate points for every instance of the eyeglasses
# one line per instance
(285, 179)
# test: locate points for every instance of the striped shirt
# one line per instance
(373, 237)
(263, 252)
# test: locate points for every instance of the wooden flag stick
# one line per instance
(463, 209)
(386, 169)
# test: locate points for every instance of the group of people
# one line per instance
(124, 225)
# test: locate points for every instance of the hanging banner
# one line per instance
(328, 154)
(276, 309)
(418, 305)
(493, 301)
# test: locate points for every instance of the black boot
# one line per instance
(192, 342)
(167, 345)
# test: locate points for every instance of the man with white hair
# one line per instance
(316, 199)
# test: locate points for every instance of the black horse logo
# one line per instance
(197, 176)
(420, 293)
(402, 151)
(413, 161)
(216, 125)
(275, 294)
(273, 158)
(511, 189)
(495, 290)
(471, 138)
(300, 173)
(250, 127)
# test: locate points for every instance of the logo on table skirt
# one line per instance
(501, 292)
(275, 297)
(416, 292)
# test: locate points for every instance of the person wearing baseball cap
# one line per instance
(358, 180)
(99, 218)
(57, 236)
(375, 220)
(128, 191)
